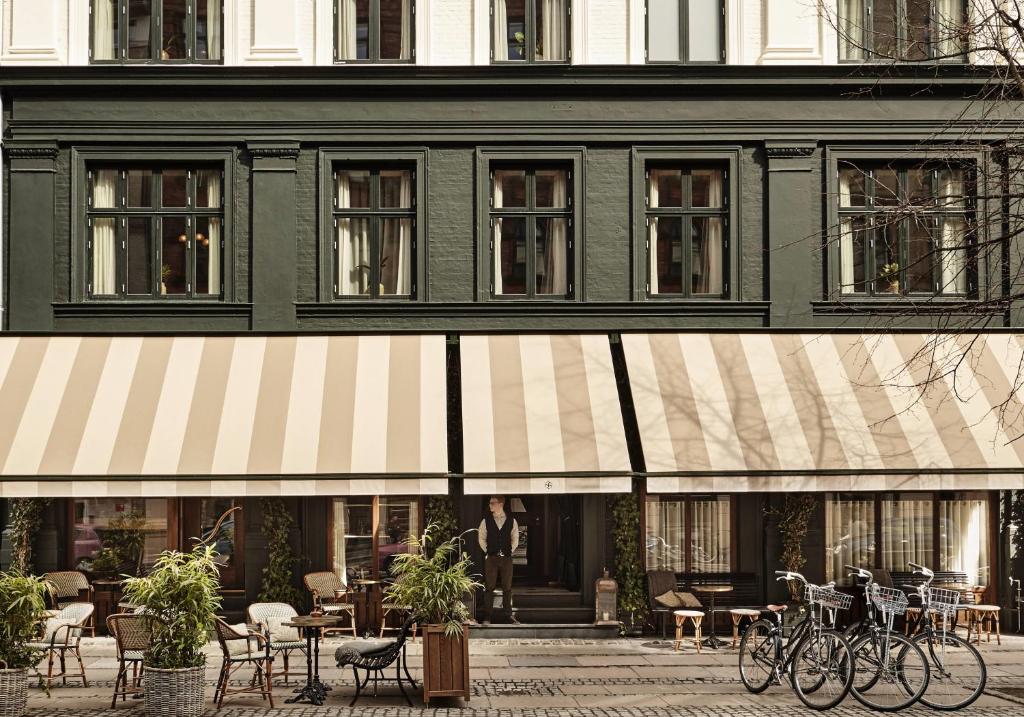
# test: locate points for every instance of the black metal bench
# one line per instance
(744, 593)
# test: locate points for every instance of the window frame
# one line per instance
(684, 36)
(574, 160)
(688, 499)
(867, 11)
(154, 37)
(374, 38)
(530, 40)
(83, 161)
(728, 158)
(375, 501)
(372, 159)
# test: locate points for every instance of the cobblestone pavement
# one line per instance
(539, 678)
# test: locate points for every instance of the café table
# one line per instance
(712, 640)
(314, 691)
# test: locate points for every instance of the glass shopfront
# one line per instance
(368, 531)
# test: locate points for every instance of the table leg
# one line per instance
(309, 692)
(712, 640)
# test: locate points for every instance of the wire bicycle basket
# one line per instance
(889, 601)
(944, 602)
(827, 597)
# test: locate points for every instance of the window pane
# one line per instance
(949, 29)
(954, 238)
(849, 535)
(353, 29)
(396, 189)
(208, 188)
(140, 15)
(851, 30)
(707, 255)
(707, 188)
(919, 187)
(208, 255)
(963, 538)
(353, 537)
(140, 188)
(509, 29)
(510, 255)
(552, 267)
(353, 188)
(663, 30)
(917, 30)
(353, 256)
(883, 28)
(552, 188)
(710, 535)
(175, 43)
(951, 192)
(509, 188)
(852, 186)
(666, 534)
(921, 256)
(209, 30)
(853, 242)
(396, 257)
(665, 188)
(104, 256)
(173, 272)
(887, 258)
(396, 29)
(175, 188)
(105, 39)
(667, 258)
(703, 30)
(210, 511)
(104, 189)
(884, 183)
(140, 255)
(106, 528)
(551, 34)
(397, 520)
(907, 524)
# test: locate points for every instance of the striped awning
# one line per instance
(341, 406)
(542, 411)
(761, 411)
(214, 487)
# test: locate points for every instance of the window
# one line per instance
(369, 531)
(375, 224)
(155, 232)
(685, 31)
(105, 531)
(689, 534)
(686, 224)
(374, 30)
(531, 231)
(530, 31)
(903, 229)
(181, 31)
(904, 30)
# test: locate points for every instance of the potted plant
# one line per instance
(793, 518)
(23, 606)
(432, 579)
(180, 596)
(890, 273)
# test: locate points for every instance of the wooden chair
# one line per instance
(738, 615)
(331, 596)
(131, 638)
(63, 635)
(236, 647)
(66, 587)
(695, 617)
(983, 616)
(283, 640)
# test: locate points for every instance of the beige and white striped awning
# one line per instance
(541, 414)
(761, 411)
(364, 407)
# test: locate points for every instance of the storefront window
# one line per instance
(689, 534)
(907, 522)
(369, 531)
(963, 537)
(398, 518)
(210, 511)
(118, 534)
(849, 535)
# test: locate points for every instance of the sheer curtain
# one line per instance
(948, 26)
(104, 29)
(551, 38)
(711, 261)
(496, 194)
(407, 29)
(963, 538)
(851, 29)
(846, 281)
(396, 246)
(849, 535)
(709, 537)
(500, 31)
(213, 190)
(347, 30)
(104, 233)
(907, 526)
(953, 233)
(340, 531)
(213, 30)
(555, 269)
(652, 234)
(666, 535)
(353, 246)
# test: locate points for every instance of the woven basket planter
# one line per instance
(13, 692)
(174, 693)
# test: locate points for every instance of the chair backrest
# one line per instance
(66, 584)
(270, 615)
(130, 631)
(227, 634)
(324, 583)
(78, 613)
(658, 583)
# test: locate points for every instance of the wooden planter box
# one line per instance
(445, 663)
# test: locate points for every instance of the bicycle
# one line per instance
(958, 672)
(891, 671)
(816, 660)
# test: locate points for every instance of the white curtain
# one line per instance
(407, 29)
(711, 269)
(551, 39)
(353, 247)
(666, 535)
(213, 190)
(953, 233)
(907, 526)
(213, 30)
(652, 233)
(340, 530)
(851, 29)
(849, 536)
(555, 279)
(104, 233)
(709, 536)
(963, 538)
(396, 246)
(846, 279)
(496, 194)
(104, 27)
(948, 26)
(500, 31)
(347, 29)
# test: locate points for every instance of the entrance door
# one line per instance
(549, 544)
(199, 517)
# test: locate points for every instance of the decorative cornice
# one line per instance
(787, 151)
(274, 152)
(32, 152)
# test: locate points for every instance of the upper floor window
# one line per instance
(155, 232)
(904, 229)
(686, 216)
(685, 30)
(902, 30)
(374, 30)
(181, 31)
(530, 31)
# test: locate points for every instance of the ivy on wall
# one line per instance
(440, 512)
(792, 519)
(25, 521)
(278, 584)
(1013, 526)
(629, 571)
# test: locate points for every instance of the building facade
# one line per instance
(359, 254)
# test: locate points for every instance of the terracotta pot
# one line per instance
(445, 663)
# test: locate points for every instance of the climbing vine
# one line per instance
(25, 521)
(629, 572)
(278, 584)
(792, 519)
(440, 513)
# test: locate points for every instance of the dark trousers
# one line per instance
(497, 570)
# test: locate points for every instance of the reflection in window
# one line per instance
(689, 534)
(369, 531)
(118, 535)
(849, 535)
(902, 30)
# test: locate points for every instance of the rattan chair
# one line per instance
(331, 596)
(63, 634)
(237, 648)
(283, 640)
(66, 587)
(131, 637)
(373, 657)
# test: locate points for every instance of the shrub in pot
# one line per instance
(432, 578)
(180, 597)
(22, 607)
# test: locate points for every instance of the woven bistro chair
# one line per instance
(131, 637)
(66, 587)
(331, 596)
(283, 640)
(373, 657)
(63, 634)
(237, 643)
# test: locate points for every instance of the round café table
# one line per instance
(712, 640)
(314, 691)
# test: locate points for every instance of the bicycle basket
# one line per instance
(827, 597)
(889, 600)
(944, 602)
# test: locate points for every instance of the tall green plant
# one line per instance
(278, 584)
(22, 606)
(25, 520)
(180, 594)
(433, 578)
(792, 519)
(629, 571)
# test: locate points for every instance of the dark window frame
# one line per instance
(155, 37)
(684, 37)
(688, 512)
(902, 42)
(530, 37)
(374, 38)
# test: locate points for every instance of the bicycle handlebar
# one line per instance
(790, 575)
(859, 572)
(922, 570)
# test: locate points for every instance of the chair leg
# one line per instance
(286, 672)
(996, 618)
(270, 682)
(735, 629)
(81, 666)
(218, 691)
(679, 635)
(121, 674)
(398, 676)
(359, 687)
(696, 629)
(403, 658)
(63, 668)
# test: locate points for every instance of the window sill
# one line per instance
(534, 309)
(150, 308)
(918, 305)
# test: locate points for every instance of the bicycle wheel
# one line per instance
(957, 671)
(822, 670)
(757, 656)
(892, 672)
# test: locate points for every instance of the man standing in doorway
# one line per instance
(499, 538)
